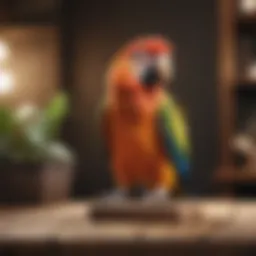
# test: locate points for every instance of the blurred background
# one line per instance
(53, 58)
(52, 45)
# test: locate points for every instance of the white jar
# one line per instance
(247, 6)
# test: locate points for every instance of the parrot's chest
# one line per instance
(135, 143)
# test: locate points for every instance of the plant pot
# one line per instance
(35, 183)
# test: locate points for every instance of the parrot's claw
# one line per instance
(116, 196)
(156, 196)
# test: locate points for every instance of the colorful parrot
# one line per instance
(144, 128)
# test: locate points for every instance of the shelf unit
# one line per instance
(230, 25)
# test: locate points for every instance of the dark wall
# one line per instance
(94, 30)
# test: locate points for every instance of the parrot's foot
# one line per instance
(118, 195)
(157, 195)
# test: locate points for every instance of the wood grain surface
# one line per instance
(68, 227)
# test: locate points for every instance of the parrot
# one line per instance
(143, 126)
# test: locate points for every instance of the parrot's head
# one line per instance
(140, 70)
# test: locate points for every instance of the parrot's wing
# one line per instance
(174, 136)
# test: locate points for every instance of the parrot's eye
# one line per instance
(145, 68)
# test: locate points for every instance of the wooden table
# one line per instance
(228, 228)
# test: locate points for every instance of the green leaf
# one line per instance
(34, 140)
(6, 131)
(54, 115)
(6, 122)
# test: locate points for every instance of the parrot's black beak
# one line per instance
(151, 77)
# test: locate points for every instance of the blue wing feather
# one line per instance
(174, 136)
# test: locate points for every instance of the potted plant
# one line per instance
(35, 165)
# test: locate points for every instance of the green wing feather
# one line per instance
(174, 134)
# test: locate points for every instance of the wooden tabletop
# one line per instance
(68, 227)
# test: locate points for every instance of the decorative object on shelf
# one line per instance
(34, 164)
(247, 7)
(247, 58)
(251, 72)
(245, 144)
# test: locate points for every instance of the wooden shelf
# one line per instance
(247, 19)
(248, 83)
(27, 23)
(246, 24)
(233, 175)
(233, 26)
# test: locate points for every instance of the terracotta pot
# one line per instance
(35, 183)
